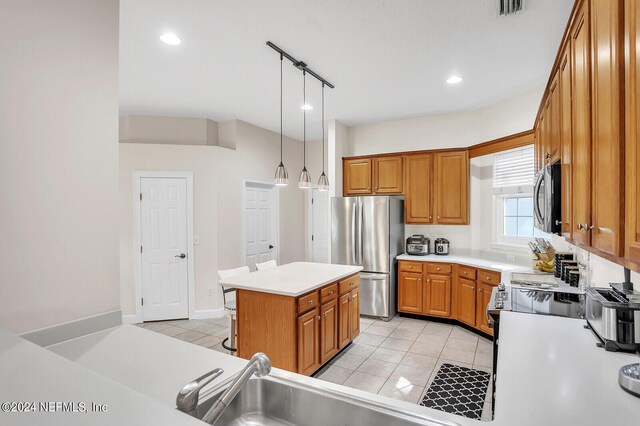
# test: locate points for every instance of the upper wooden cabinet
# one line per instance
(367, 176)
(387, 175)
(632, 126)
(552, 153)
(357, 176)
(451, 189)
(435, 185)
(565, 140)
(581, 129)
(607, 126)
(418, 182)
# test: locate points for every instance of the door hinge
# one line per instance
(142, 301)
(141, 196)
(140, 249)
(312, 238)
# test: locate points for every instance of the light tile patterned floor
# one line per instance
(398, 359)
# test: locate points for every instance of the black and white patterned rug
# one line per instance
(458, 390)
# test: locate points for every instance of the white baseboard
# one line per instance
(208, 313)
(129, 319)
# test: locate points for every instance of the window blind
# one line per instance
(513, 171)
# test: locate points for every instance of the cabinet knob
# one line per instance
(430, 217)
(438, 268)
(410, 266)
(547, 155)
(310, 301)
(330, 291)
(318, 317)
(438, 217)
(465, 272)
(590, 228)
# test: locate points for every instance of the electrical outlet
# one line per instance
(196, 240)
(511, 258)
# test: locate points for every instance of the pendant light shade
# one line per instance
(304, 181)
(281, 177)
(323, 182)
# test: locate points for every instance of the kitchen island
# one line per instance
(300, 314)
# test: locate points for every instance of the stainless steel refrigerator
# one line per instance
(369, 232)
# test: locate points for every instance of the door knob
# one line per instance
(181, 255)
(270, 246)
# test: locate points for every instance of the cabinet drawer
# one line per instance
(489, 277)
(329, 292)
(410, 266)
(467, 272)
(308, 301)
(349, 284)
(439, 268)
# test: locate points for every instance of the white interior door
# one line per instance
(163, 232)
(319, 226)
(261, 218)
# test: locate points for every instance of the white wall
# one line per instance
(58, 161)
(449, 130)
(219, 177)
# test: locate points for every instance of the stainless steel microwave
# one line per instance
(547, 200)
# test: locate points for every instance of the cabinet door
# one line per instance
(607, 127)
(565, 140)
(437, 295)
(418, 171)
(410, 292)
(467, 301)
(357, 176)
(387, 175)
(451, 192)
(308, 341)
(632, 126)
(554, 122)
(328, 330)
(581, 131)
(343, 321)
(483, 296)
(354, 314)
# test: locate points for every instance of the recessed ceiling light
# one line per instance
(454, 79)
(170, 39)
(306, 107)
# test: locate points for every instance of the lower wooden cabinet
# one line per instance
(467, 301)
(354, 314)
(308, 342)
(437, 295)
(483, 296)
(410, 292)
(447, 291)
(328, 330)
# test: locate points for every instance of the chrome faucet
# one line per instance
(258, 365)
(187, 398)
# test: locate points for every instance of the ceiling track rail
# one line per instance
(300, 65)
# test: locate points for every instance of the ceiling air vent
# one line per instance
(510, 7)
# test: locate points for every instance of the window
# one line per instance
(513, 174)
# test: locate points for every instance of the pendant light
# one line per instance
(304, 181)
(323, 182)
(281, 177)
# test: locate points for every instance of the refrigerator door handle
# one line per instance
(357, 233)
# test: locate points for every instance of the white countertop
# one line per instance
(292, 279)
(554, 376)
(476, 262)
(30, 373)
(550, 372)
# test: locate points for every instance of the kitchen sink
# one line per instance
(274, 400)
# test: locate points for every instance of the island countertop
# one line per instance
(291, 279)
